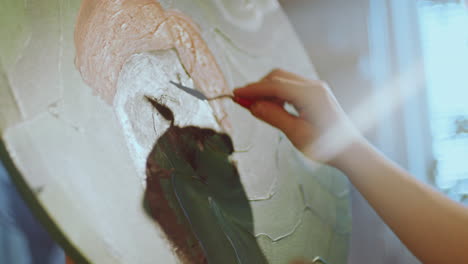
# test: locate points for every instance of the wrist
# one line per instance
(351, 155)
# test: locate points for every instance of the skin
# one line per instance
(433, 227)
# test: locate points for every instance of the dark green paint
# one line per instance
(205, 186)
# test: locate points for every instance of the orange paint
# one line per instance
(107, 33)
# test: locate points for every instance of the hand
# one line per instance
(323, 132)
(321, 123)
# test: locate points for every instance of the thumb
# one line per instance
(298, 130)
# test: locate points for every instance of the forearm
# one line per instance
(432, 226)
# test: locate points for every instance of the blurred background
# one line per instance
(415, 52)
(22, 239)
(361, 47)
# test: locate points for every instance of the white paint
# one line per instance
(148, 74)
(248, 14)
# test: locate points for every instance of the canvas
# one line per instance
(123, 167)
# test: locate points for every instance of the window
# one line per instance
(444, 36)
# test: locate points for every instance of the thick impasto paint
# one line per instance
(195, 194)
(118, 180)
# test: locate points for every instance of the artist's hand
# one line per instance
(320, 115)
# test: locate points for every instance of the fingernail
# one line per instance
(238, 88)
(247, 103)
(257, 108)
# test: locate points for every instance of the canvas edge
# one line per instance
(37, 208)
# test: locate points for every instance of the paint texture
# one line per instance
(195, 194)
(109, 32)
(249, 15)
(77, 124)
(149, 73)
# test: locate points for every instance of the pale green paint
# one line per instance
(322, 226)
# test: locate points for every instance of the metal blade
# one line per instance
(191, 91)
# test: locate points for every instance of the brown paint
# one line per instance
(174, 227)
(170, 217)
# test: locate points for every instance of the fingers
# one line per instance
(281, 85)
(274, 115)
(282, 74)
(298, 130)
(271, 90)
(268, 88)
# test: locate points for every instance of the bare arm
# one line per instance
(432, 226)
